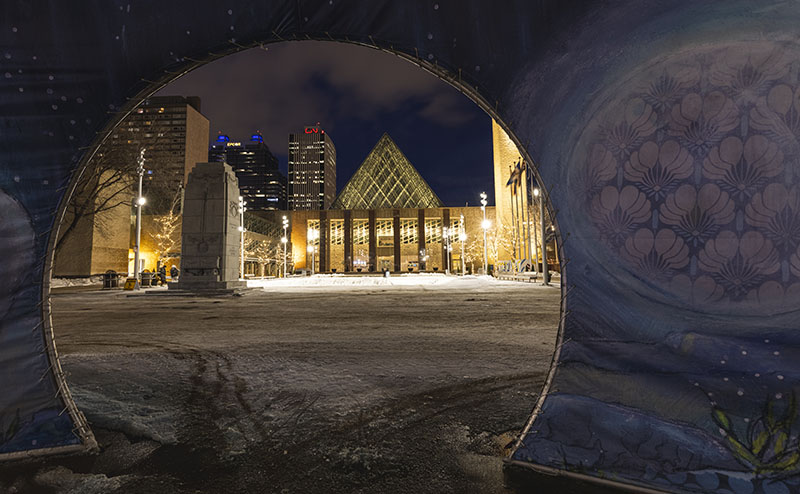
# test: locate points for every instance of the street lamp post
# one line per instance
(284, 241)
(446, 237)
(545, 272)
(485, 225)
(312, 235)
(462, 237)
(140, 200)
(242, 202)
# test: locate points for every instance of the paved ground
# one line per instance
(378, 388)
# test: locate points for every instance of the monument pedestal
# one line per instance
(210, 241)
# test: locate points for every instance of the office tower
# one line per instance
(312, 169)
(261, 184)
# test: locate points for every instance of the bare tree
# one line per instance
(105, 184)
(166, 236)
(258, 250)
(499, 240)
(108, 180)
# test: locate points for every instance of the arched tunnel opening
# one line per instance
(424, 374)
(666, 134)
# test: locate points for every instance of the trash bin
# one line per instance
(147, 278)
(110, 279)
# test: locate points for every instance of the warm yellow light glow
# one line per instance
(536, 191)
(486, 224)
(141, 201)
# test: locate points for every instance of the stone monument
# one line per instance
(210, 239)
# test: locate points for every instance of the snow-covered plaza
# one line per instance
(409, 383)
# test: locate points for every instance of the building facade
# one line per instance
(261, 183)
(175, 134)
(312, 170)
(97, 242)
(387, 218)
(389, 239)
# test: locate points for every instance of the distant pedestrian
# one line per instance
(173, 272)
(162, 274)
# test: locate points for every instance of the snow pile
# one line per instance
(416, 281)
(66, 282)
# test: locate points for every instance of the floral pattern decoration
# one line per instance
(691, 179)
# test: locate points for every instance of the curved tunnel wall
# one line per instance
(666, 132)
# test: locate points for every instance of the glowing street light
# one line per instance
(462, 236)
(446, 236)
(545, 272)
(312, 235)
(284, 241)
(140, 201)
(242, 203)
(485, 224)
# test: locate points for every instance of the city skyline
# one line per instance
(357, 95)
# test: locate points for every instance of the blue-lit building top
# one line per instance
(261, 184)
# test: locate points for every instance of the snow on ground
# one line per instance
(412, 383)
(69, 282)
(422, 281)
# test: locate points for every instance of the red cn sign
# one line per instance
(314, 130)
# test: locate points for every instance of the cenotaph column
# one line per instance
(210, 239)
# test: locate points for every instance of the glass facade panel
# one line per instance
(337, 232)
(386, 179)
(360, 232)
(433, 231)
(384, 231)
(408, 231)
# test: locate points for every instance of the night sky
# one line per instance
(356, 94)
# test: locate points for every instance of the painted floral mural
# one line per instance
(690, 178)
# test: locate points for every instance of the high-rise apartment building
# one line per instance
(312, 169)
(261, 184)
(175, 135)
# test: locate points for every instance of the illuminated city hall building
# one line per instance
(387, 218)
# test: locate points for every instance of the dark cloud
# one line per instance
(273, 89)
(356, 93)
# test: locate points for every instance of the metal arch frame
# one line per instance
(472, 92)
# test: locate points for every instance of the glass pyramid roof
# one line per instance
(386, 179)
